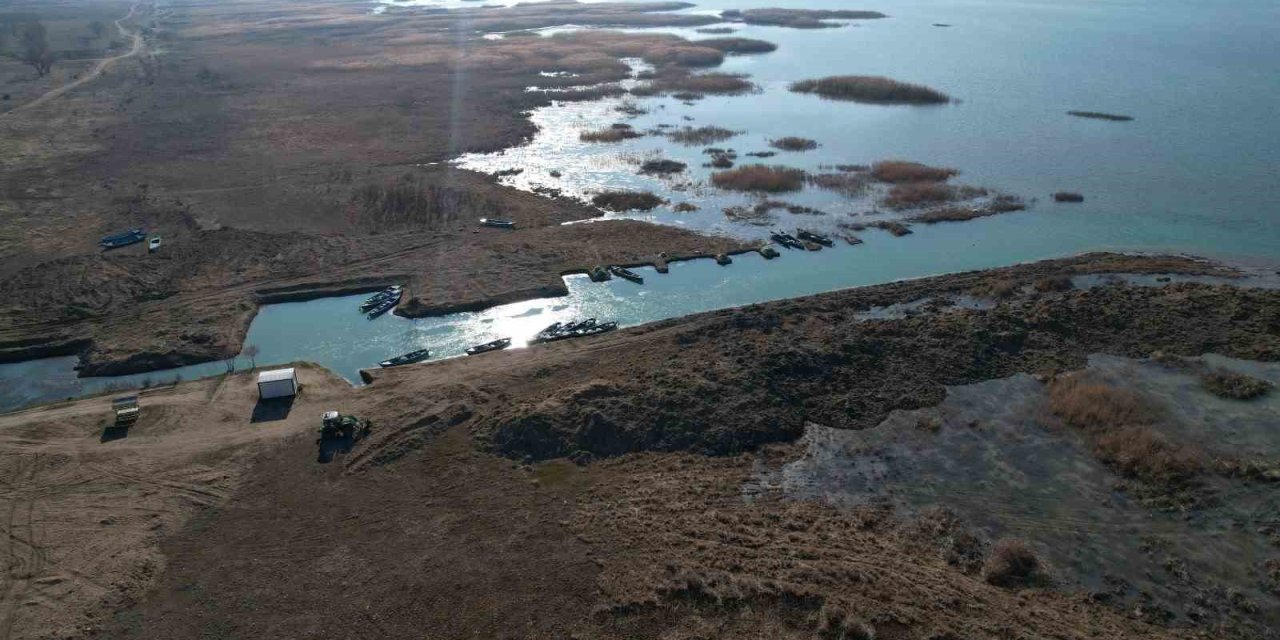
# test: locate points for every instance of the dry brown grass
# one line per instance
(737, 46)
(661, 167)
(1058, 283)
(693, 136)
(896, 171)
(914, 195)
(1236, 386)
(793, 143)
(612, 133)
(1119, 426)
(892, 226)
(848, 184)
(760, 178)
(723, 84)
(871, 89)
(1012, 563)
(798, 18)
(626, 200)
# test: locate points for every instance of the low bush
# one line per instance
(661, 167)
(897, 171)
(913, 195)
(872, 89)
(793, 143)
(609, 134)
(626, 200)
(737, 46)
(760, 178)
(1012, 563)
(1236, 386)
(696, 136)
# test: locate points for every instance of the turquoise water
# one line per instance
(1194, 173)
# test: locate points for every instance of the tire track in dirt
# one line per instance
(98, 69)
(23, 557)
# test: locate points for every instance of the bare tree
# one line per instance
(97, 28)
(251, 351)
(34, 49)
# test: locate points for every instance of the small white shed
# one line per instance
(280, 383)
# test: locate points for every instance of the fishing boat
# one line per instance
(380, 297)
(497, 223)
(625, 273)
(129, 237)
(786, 240)
(576, 329)
(386, 305)
(814, 237)
(408, 358)
(500, 343)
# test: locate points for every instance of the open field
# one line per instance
(287, 151)
(460, 515)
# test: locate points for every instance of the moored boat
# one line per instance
(384, 306)
(814, 237)
(129, 237)
(786, 240)
(379, 297)
(627, 274)
(500, 343)
(497, 223)
(576, 329)
(408, 358)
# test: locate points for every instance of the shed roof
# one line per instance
(273, 376)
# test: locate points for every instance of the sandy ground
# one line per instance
(464, 513)
(84, 505)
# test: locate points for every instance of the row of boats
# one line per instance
(557, 331)
(797, 241)
(382, 301)
(575, 329)
(423, 354)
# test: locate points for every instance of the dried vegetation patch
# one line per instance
(870, 89)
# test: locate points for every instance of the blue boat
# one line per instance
(132, 236)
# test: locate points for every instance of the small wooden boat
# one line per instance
(123, 239)
(384, 306)
(154, 245)
(408, 358)
(627, 274)
(786, 240)
(379, 297)
(497, 223)
(723, 259)
(500, 343)
(814, 237)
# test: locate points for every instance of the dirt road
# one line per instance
(138, 45)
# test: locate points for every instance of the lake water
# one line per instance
(1195, 172)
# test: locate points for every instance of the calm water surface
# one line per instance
(1195, 172)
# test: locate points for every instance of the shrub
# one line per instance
(872, 89)
(626, 200)
(692, 136)
(609, 134)
(684, 207)
(892, 226)
(705, 83)
(897, 171)
(737, 46)
(759, 177)
(683, 56)
(793, 143)
(661, 167)
(1054, 283)
(1117, 423)
(1012, 563)
(849, 184)
(1236, 386)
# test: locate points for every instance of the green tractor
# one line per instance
(336, 425)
